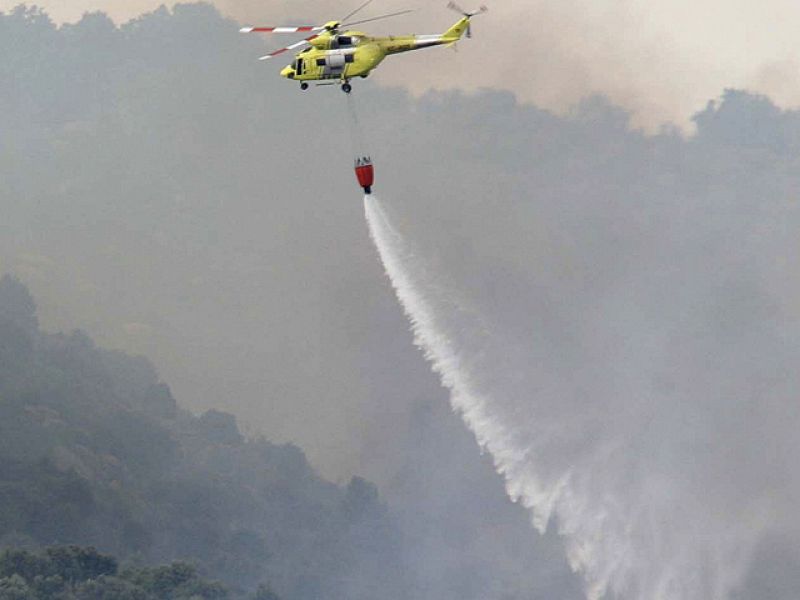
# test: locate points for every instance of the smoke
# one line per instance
(660, 60)
(653, 419)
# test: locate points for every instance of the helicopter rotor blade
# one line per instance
(457, 8)
(302, 28)
(358, 10)
(397, 14)
(294, 46)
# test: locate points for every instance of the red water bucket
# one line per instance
(365, 173)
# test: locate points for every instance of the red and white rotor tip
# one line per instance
(302, 28)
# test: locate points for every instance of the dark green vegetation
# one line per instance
(94, 451)
(74, 573)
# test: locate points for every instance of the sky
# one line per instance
(164, 192)
(662, 60)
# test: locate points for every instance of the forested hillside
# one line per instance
(74, 573)
(95, 451)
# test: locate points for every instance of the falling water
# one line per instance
(620, 439)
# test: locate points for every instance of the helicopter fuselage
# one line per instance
(342, 56)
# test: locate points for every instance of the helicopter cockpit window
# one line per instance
(349, 58)
(298, 66)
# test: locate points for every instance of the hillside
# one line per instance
(95, 451)
(74, 573)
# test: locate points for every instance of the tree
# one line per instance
(264, 592)
(79, 564)
(110, 588)
(15, 588)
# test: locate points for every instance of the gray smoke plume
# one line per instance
(646, 406)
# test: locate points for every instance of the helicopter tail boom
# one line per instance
(457, 31)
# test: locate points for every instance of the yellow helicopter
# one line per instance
(335, 56)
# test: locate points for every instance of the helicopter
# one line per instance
(333, 55)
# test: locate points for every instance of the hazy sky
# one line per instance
(662, 59)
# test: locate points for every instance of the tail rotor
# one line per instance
(468, 15)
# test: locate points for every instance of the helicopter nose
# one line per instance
(288, 72)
